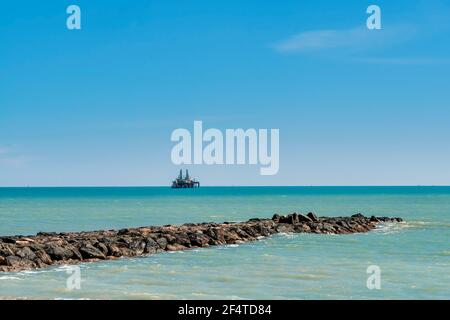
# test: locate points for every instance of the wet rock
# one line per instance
(162, 242)
(102, 247)
(199, 240)
(19, 263)
(8, 240)
(175, 247)
(328, 228)
(284, 228)
(76, 254)
(42, 256)
(302, 228)
(88, 251)
(151, 246)
(138, 246)
(6, 250)
(26, 253)
(114, 250)
(183, 239)
(289, 219)
(57, 252)
(170, 238)
(217, 234)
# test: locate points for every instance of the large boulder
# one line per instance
(102, 247)
(303, 218)
(41, 255)
(137, 246)
(182, 238)
(19, 263)
(151, 246)
(216, 234)
(312, 216)
(175, 247)
(26, 253)
(162, 242)
(198, 239)
(6, 250)
(289, 219)
(57, 252)
(88, 251)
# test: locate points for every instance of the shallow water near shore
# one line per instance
(414, 257)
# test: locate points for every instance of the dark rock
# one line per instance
(170, 238)
(114, 250)
(88, 251)
(57, 252)
(289, 219)
(312, 216)
(43, 256)
(19, 263)
(102, 247)
(303, 218)
(240, 233)
(162, 242)
(151, 246)
(137, 246)
(216, 234)
(6, 250)
(76, 254)
(26, 253)
(8, 240)
(231, 237)
(199, 240)
(302, 228)
(328, 227)
(183, 239)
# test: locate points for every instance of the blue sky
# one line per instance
(97, 106)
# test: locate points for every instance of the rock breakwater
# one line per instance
(19, 253)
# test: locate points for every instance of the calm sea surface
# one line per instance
(414, 257)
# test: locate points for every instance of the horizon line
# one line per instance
(219, 186)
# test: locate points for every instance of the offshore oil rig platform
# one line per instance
(186, 182)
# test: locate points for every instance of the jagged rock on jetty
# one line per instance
(49, 248)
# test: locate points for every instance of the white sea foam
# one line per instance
(9, 278)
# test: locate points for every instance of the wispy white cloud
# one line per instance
(354, 39)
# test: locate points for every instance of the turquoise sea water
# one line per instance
(414, 257)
